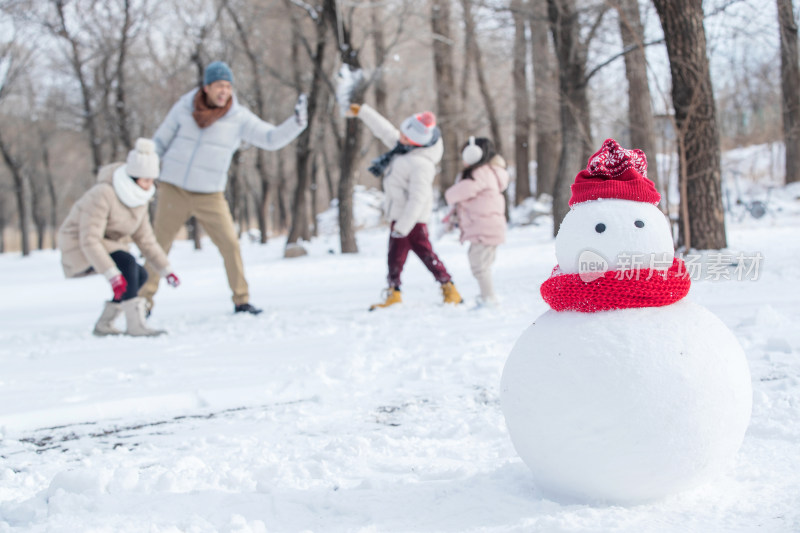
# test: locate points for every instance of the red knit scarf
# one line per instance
(206, 115)
(617, 289)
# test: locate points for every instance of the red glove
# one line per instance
(173, 280)
(118, 284)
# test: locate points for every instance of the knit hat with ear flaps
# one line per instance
(419, 128)
(218, 70)
(614, 172)
(143, 160)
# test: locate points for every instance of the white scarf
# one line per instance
(128, 191)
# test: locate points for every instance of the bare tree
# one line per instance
(474, 52)
(14, 60)
(702, 216)
(447, 115)
(547, 120)
(352, 137)
(571, 51)
(790, 83)
(20, 188)
(640, 110)
(255, 63)
(379, 43)
(78, 58)
(522, 130)
(299, 224)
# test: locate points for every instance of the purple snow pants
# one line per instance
(418, 241)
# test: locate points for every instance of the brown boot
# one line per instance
(105, 324)
(391, 296)
(134, 315)
(450, 293)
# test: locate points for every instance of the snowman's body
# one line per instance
(624, 405)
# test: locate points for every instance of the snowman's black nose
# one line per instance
(639, 224)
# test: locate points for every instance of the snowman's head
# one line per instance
(611, 234)
(614, 223)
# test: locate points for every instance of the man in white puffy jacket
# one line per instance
(408, 170)
(196, 142)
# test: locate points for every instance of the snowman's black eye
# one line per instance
(639, 224)
(600, 228)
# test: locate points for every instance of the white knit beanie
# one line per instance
(419, 128)
(142, 160)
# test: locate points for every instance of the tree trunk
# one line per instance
(640, 110)
(121, 106)
(51, 186)
(547, 120)
(790, 85)
(521, 104)
(263, 200)
(299, 224)
(260, 110)
(283, 212)
(352, 136)
(480, 73)
(575, 121)
(381, 95)
(39, 221)
(696, 122)
(195, 232)
(234, 189)
(19, 192)
(447, 114)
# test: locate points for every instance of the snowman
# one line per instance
(623, 392)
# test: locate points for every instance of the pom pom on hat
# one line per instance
(419, 128)
(218, 70)
(143, 160)
(614, 172)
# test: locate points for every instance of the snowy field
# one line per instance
(320, 416)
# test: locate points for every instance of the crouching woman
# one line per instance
(96, 234)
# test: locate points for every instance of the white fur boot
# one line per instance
(105, 324)
(135, 317)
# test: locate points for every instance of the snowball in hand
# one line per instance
(347, 81)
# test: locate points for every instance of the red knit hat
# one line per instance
(614, 172)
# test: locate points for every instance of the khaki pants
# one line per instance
(481, 257)
(175, 206)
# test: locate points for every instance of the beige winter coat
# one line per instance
(99, 224)
(408, 182)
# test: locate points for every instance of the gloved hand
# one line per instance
(172, 279)
(119, 285)
(353, 110)
(301, 110)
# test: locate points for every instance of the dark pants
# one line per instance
(133, 272)
(418, 241)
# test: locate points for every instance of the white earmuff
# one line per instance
(472, 153)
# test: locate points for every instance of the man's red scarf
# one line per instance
(617, 289)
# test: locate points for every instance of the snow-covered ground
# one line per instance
(321, 416)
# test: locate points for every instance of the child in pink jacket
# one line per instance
(481, 209)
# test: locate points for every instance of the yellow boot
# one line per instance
(391, 296)
(450, 293)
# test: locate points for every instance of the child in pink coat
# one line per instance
(481, 209)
